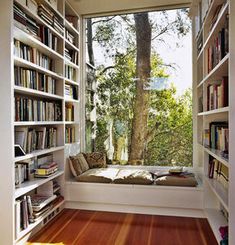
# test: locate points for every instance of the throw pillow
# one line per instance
(96, 159)
(78, 164)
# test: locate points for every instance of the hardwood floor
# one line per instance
(107, 228)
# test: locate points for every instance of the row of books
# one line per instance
(71, 91)
(32, 79)
(27, 109)
(69, 112)
(70, 37)
(24, 171)
(70, 72)
(217, 137)
(71, 55)
(218, 171)
(39, 138)
(217, 94)
(50, 18)
(30, 54)
(69, 135)
(48, 38)
(218, 49)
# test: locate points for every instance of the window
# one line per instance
(139, 105)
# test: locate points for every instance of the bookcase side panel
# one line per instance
(6, 124)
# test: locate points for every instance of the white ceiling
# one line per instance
(99, 7)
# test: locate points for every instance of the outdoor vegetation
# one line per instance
(140, 117)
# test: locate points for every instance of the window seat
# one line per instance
(135, 198)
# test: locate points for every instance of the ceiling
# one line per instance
(102, 7)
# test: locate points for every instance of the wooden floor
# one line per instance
(106, 228)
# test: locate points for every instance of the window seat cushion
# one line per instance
(133, 176)
(98, 175)
(177, 180)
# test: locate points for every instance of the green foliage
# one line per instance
(169, 139)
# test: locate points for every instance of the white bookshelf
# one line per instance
(217, 197)
(8, 90)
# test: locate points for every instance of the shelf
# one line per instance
(71, 122)
(220, 70)
(70, 45)
(219, 190)
(71, 100)
(33, 225)
(34, 92)
(68, 144)
(38, 153)
(216, 154)
(67, 62)
(218, 25)
(69, 81)
(28, 186)
(216, 220)
(70, 27)
(220, 110)
(33, 42)
(33, 123)
(27, 64)
(39, 20)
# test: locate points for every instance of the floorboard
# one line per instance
(79, 227)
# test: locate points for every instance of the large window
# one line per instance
(141, 106)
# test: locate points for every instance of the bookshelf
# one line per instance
(213, 87)
(41, 77)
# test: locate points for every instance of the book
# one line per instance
(39, 201)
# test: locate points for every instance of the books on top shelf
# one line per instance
(29, 25)
(50, 18)
(30, 54)
(39, 138)
(27, 109)
(70, 91)
(217, 94)
(28, 78)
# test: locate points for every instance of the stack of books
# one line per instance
(46, 170)
(50, 18)
(27, 109)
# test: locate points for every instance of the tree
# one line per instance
(143, 69)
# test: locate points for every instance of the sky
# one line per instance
(170, 54)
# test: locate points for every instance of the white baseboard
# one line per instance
(182, 212)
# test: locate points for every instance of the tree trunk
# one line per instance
(139, 123)
(90, 42)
